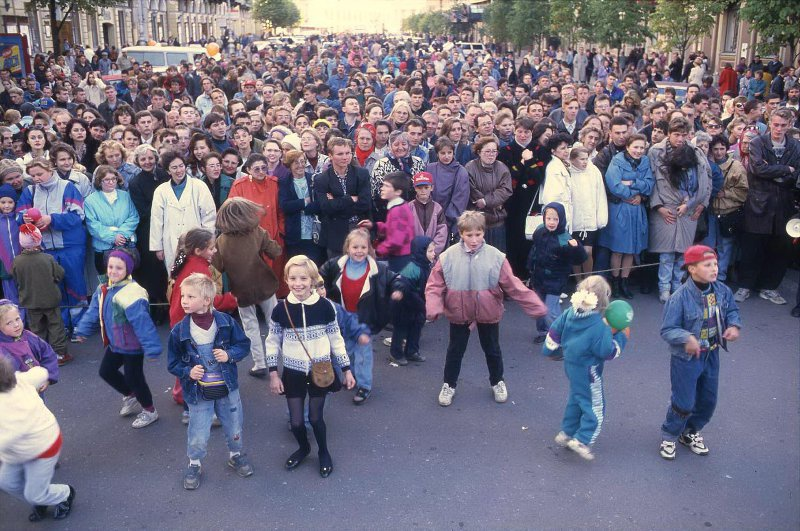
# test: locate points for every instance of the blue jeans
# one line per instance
(30, 481)
(694, 394)
(496, 237)
(669, 271)
(360, 362)
(553, 304)
(725, 246)
(229, 412)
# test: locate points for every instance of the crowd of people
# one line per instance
(349, 184)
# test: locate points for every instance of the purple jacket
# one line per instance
(30, 351)
(9, 241)
(450, 190)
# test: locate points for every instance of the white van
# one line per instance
(162, 56)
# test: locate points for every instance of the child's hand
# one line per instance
(365, 224)
(692, 347)
(363, 339)
(197, 372)
(573, 243)
(220, 355)
(349, 381)
(275, 383)
(731, 333)
(397, 295)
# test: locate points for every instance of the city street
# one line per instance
(403, 462)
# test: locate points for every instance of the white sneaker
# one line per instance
(562, 439)
(581, 449)
(387, 341)
(500, 392)
(145, 418)
(446, 395)
(694, 442)
(129, 406)
(664, 296)
(667, 450)
(772, 296)
(741, 295)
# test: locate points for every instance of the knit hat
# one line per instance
(8, 166)
(7, 190)
(29, 236)
(423, 178)
(321, 121)
(696, 254)
(125, 257)
(293, 140)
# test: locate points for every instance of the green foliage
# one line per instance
(67, 7)
(496, 20)
(616, 22)
(433, 22)
(530, 21)
(566, 19)
(777, 22)
(279, 13)
(680, 23)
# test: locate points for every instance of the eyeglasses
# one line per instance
(740, 105)
(258, 169)
(488, 152)
(110, 180)
(714, 126)
(170, 141)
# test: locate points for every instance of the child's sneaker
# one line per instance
(667, 450)
(361, 396)
(64, 508)
(562, 439)
(145, 418)
(129, 405)
(240, 465)
(191, 479)
(38, 513)
(694, 442)
(63, 359)
(446, 395)
(500, 392)
(581, 449)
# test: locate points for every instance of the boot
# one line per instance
(615, 294)
(624, 289)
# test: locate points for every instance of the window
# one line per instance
(731, 30)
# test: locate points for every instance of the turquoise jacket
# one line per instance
(105, 220)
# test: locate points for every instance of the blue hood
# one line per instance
(562, 216)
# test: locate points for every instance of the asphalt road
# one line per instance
(403, 462)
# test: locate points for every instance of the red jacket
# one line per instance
(396, 233)
(195, 264)
(728, 80)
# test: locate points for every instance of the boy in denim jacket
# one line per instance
(208, 341)
(699, 318)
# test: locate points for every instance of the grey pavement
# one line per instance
(403, 462)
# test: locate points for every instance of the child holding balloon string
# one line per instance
(583, 338)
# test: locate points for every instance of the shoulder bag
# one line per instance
(533, 222)
(321, 371)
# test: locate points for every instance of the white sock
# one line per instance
(194, 462)
(234, 454)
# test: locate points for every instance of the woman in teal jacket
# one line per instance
(111, 216)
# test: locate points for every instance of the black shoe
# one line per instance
(361, 396)
(615, 293)
(325, 465)
(38, 514)
(401, 361)
(624, 289)
(539, 339)
(296, 458)
(191, 479)
(63, 509)
(796, 311)
(417, 358)
(258, 373)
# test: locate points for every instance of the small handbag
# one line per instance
(316, 229)
(321, 371)
(732, 223)
(533, 222)
(212, 385)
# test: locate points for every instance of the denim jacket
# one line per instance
(183, 354)
(683, 315)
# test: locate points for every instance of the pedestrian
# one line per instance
(428, 215)
(24, 348)
(395, 234)
(699, 318)
(31, 443)
(585, 341)
(121, 311)
(37, 274)
(203, 351)
(242, 248)
(553, 255)
(303, 333)
(589, 204)
(9, 242)
(467, 285)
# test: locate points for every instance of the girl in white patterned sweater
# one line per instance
(303, 329)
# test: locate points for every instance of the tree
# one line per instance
(278, 13)
(777, 22)
(567, 17)
(67, 7)
(616, 22)
(680, 23)
(529, 22)
(496, 20)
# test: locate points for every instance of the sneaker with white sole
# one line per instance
(500, 392)
(129, 406)
(694, 442)
(741, 295)
(772, 296)
(145, 418)
(562, 439)
(581, 449)
(191, 478)
(667, 450)
(446, 395)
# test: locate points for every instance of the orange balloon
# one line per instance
(151, 43)
(212, 48)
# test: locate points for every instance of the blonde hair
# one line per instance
(471, 220)
(201, 283)
(302, 260)
(110, 145)
(238, 215)
(44, 164)
(358, 233)
(6, 306)
(599, 286)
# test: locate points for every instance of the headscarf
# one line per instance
(362, 155)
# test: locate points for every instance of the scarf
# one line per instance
(361, 154)
(402, 164)
(203, 320)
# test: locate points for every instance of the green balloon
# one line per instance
(619, 314)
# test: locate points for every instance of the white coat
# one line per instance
(589, 201)
(170, 217)
(558, 188)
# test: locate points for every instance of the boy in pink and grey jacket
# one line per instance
(467, 285)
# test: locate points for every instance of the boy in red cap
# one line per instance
(699, 318)
(428, 215)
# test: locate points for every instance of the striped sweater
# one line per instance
(315, 319)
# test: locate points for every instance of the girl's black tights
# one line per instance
(315, 418)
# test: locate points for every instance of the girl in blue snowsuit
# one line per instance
(585, 341)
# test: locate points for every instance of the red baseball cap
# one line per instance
(423, 178)
(698, 253)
